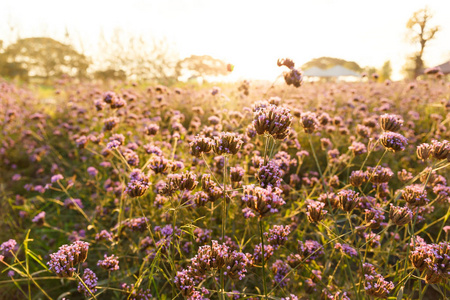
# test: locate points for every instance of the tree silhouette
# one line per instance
(196, 66)
(43, 57)
(419, 33)
(329, 62)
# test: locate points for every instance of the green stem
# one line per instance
(262, 257)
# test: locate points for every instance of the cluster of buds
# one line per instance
(379, 175)
(236, 175)
(269, 175)
(309, 250)
(374, 217)
(357, 178)
(262, 201)
(109, 263)
(278, 235)
(316, 211)
(151, 129)
(90, 282)
(280, 269)
(434, 258)
(64, 261)
(294, 76)
(440, 150)
(346, 249)
(424, 151)
(8, 246)
(114, 100)
(391, 122)
(210, 187)
(110, 123)
(393, 141)
(135, 293)
(348, 199)
(211, 257)
(200, 198)
(178, 182)
(159, 164)
(358, 148)
(273, 120)
(200, 145)
(376, 285)
(227, 143)
(309, 121)
(415, 195)
(329, 199)
(136, 224)
(138, 184)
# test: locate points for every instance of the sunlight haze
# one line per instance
(249, 34)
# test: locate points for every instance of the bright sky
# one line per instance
(251, 34)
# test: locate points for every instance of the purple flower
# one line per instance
(90, 281)
(109, 263)
(8, 246)
(56, 178)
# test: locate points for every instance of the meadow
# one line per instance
(296, 190)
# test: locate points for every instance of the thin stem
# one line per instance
(262, 257)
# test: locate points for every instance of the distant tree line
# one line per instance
(43, 58)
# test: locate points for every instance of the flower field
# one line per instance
(295, 190)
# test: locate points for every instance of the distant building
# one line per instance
(445, 68)
(337, 72)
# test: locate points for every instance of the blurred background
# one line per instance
(179, 40)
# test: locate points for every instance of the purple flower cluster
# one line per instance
(278, 235)
(109, 263)
(90, 282)
(269, 175)
(262, 201)
(393, 141)
(273, 120)
(138, 185)
(217, 256)
(280, 269)
(415, 195)
(136, 224)
(136, 294)
(64, 261)
(434, 258)
(309, 250)
(8, 246)
(346, 249)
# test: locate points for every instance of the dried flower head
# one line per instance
(309, 121)
(415, 195)
(400, 216)
(315, 211)
(357, 178)
(273, 120)
(263, 201)
(348, 199)
(440, 150)
(391, 122)
(227, 143)
(200, 145)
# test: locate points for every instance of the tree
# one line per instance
(419, 32)
(135, 58)
(386, 71)
(329, 62)
(196, 66)
(44, 57)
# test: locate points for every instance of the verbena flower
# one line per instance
(64, 261)
(90, 281)
(109, 263)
